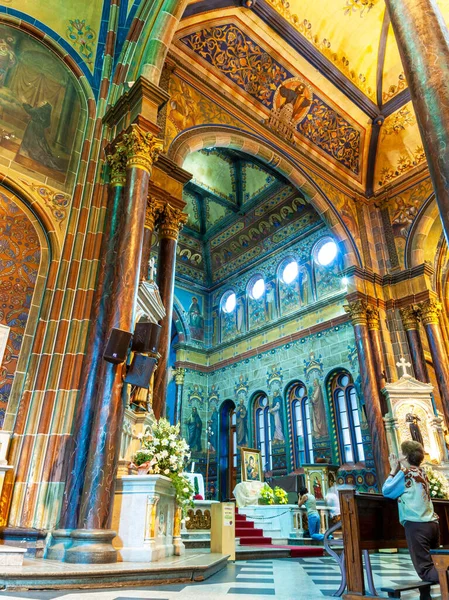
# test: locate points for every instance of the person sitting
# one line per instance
(309, 501)
(408, 483)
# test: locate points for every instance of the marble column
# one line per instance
(95, 345)
(92, 540)
(170, 221)
(430, 312)
(358, 314)
(423, 41)
(373, 323)
(410, 316)
(150, 218)
(179, 380)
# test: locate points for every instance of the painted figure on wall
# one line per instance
(413, 422)
(194, 428)
(317, 489)
(214, 327)
(34, 142)
(318, 412)
(196, 321)
(213, 430)
(39, 104)
(271, 302)
(276, 414)
(242, 423)
(240, 310)
(304, 286)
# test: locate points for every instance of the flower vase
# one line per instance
(143, 468)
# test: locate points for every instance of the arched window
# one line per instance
(263, 432)
(348, 419)
(301, 424)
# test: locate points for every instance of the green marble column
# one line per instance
(423, 42)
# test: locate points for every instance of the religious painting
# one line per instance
(413, 419)
(319, 423)
(251, 464)
(275, 412)
(228, 325)
(292, 100)
(327, 280)
(241, 414)
(39, 106)
(193, 306)
(194, 426)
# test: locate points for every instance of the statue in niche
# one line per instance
(413, 423)
(241, 423)
(318, 413)
(276, 413)
(195, 427)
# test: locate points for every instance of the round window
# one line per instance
(290, 272)
(257, 289)
(228, 302)
(326, 253)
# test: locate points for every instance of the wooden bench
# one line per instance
(440, 559)
(422, 586)
(371, 522)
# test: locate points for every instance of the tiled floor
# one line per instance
(286, 579)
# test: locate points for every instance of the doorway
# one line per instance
(227, 464)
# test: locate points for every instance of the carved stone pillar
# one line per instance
(140, 148)
(430, 312)
(357, 311)
(425, 59)
(96, 341)
(411, 316)
(179, 380)
(373, 323)
(170, 221)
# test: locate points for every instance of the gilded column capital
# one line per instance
(372, 317)
(151, 215)
(411, 316)
(357, 311)
(117, 166)
(180, 373)
(170, 221)
(140, 147)
(430, 312)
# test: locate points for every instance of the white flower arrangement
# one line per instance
(165, 453)
(438, 483)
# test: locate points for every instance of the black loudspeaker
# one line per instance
(146, 338)
(117, 346)
(140, 371)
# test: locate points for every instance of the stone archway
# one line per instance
(197, 138)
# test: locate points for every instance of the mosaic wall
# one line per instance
(311, 360)
(19, 265)
(248, 65)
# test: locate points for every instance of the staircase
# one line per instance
(247, 532)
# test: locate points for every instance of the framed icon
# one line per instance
(251, 464)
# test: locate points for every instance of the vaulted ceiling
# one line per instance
(346, 49)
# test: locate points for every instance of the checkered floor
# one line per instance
(287, 579)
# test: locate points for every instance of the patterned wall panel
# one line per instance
(19, 265)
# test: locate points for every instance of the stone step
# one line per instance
(11, 556)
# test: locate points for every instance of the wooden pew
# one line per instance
(371, 522)
(440, 559)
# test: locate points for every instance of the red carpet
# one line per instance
(250, 536)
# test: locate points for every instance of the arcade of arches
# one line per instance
(284, 165)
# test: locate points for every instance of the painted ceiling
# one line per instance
(346, 53)
(239, 212)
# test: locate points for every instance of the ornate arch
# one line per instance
(415, 247)
(49, 257)
(223, 136)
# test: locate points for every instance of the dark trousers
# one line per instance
(421, 537)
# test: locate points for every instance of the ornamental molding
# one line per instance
(411, 316)
(357, 311)
(141, 148)
(170, 221)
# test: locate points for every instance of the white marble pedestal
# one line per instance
(144, 518)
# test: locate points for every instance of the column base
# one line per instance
(91, 546)
(61, 540)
